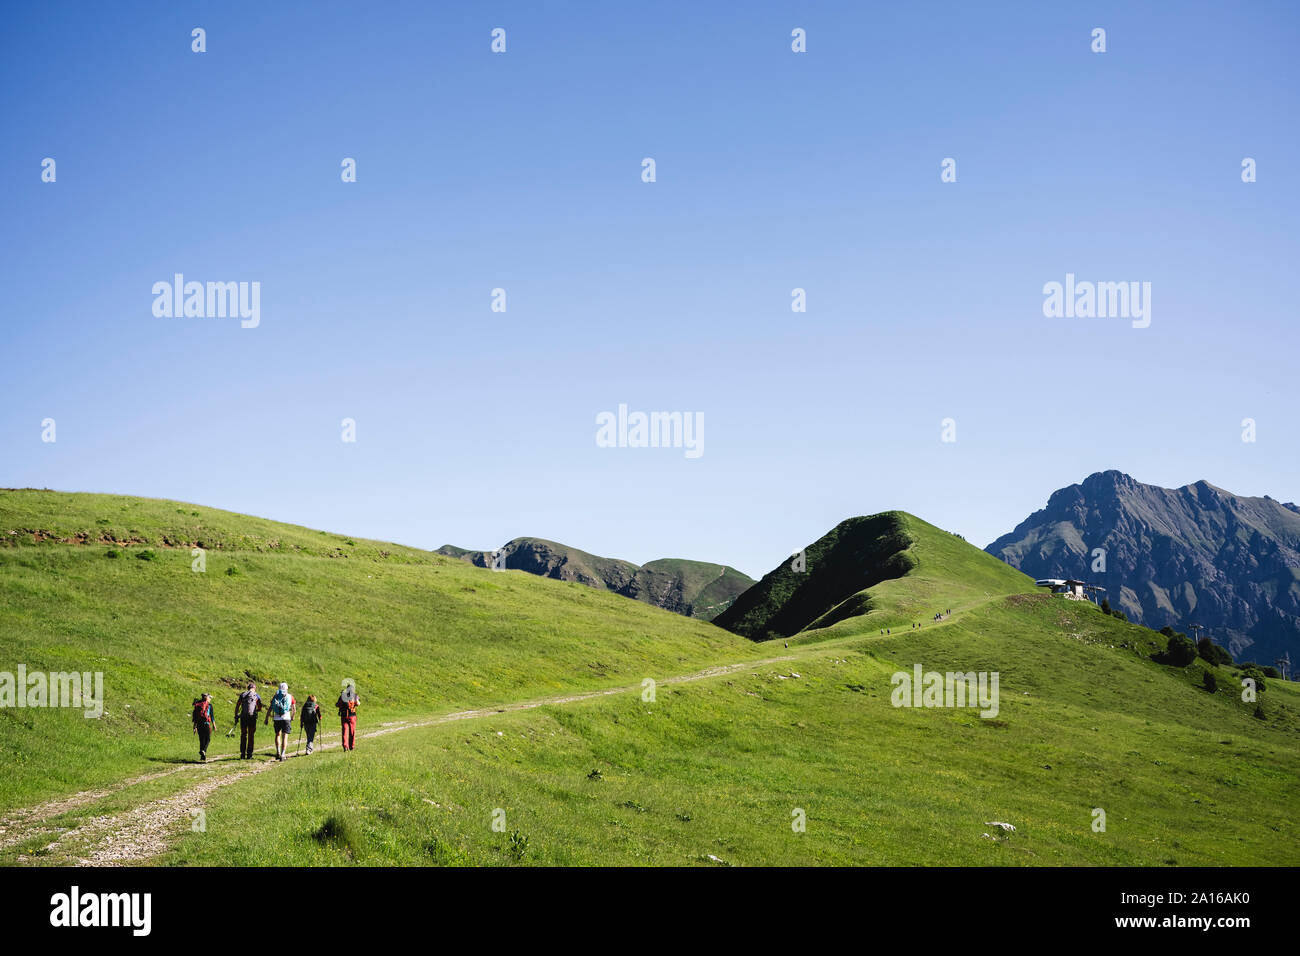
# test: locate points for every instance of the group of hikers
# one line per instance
(281, 711)
(938, 617)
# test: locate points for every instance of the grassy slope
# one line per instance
(878, 571)
(945, 572)
(713, 767)
(717, 767)
(419, 633)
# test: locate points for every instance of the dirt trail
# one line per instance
(145, 831)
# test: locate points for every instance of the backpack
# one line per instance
(250, 702)
(348, 708)
(200, 713)
(281, 704)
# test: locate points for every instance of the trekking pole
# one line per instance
(299, 744)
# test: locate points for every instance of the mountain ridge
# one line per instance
(1174, 556)
(697, 589)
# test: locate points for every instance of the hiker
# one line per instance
(247, 707)
(310, 718)
(281, 711)
(347, 708)
(203, 724)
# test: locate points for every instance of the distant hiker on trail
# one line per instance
(247, 707)
(347, 707)
(203, 723)
(281, 711)
(310, 718)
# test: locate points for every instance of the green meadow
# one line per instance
(797, 761)
(419, 633)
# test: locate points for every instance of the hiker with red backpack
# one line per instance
(247, 707)
(281, 711)
(201, 717)
(347, 708)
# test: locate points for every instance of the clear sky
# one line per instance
(523, 171)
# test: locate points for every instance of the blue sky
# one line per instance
(522, 171)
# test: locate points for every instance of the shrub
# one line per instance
(1209, 651)
(111, 553)
(146, 555)
(1255, 673)
(1180, 652)
(1272, 672)
(1210, 682)
(1259, 712)
(1107, 609)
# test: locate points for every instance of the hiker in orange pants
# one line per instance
(347, 708)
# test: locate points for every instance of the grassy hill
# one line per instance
(882, 571)
(711, 770)
(105, 583)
